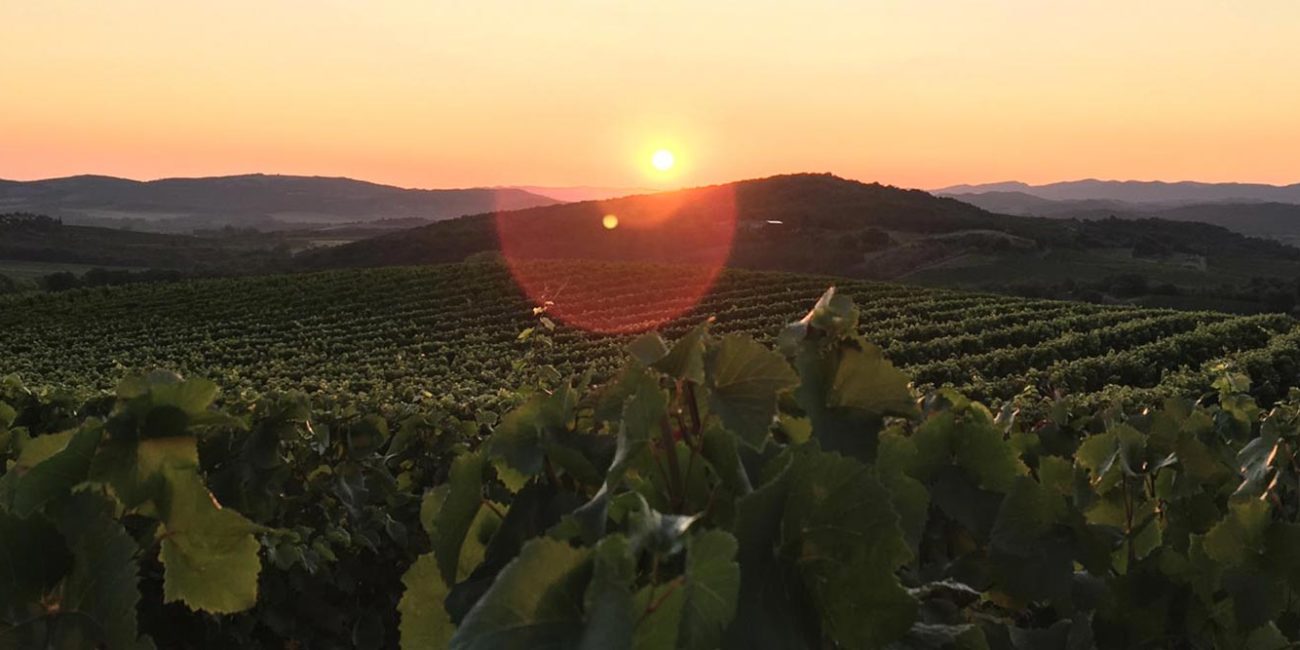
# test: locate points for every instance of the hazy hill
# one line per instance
(38, 239)
(266, 202)
(1139, 191)
(808, 204)
(581, 192)
(820, 223)
(1274, 220)
(1021, 203)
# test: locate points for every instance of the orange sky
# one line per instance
(440, 93)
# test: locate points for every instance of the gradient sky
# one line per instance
(450, 94)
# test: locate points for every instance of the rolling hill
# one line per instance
(44, 240)
(1139, 191)
(1274, 220)
(819, 223)
(766, 213)
(267, 202)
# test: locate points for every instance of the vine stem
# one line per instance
(654, 604)
(694, 409)
(550, 473)
(1128, 531)
(670, 448)
(493, 507)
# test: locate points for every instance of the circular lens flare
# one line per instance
(624, 265)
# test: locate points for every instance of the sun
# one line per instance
(663, 160)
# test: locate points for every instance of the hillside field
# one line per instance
(406, 338)
(388, 458)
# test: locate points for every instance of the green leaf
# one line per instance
(430, 504)
(648, 348)
(209, 552)
(424, 620)
(56, 471)
(769, 613)
(658, 628)
(981, 450)
(844, 537)
(1267, 637)
(192, 396)
(744, 379)
(1239, 535)
(712, 585)
(641, 416)
(967, 439)
(866, 381)
(610, 614)
(474, 549)
(1027, 513)
(535, 602)
(456, 514)
(33, 558)
(686, 358)
(896, 454)
(134, 469)
(513, 479)
(519, 437)
(103, 585)
(723, 454)
(161, 404)
(7, 417)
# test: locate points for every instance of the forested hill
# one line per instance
(261, 201)
(811, 205)
(819, 223)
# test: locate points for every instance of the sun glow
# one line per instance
(609, 221)
(663, 160)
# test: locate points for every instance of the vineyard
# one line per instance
(402, 340)
(706, 491)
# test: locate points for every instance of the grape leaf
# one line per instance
(744, 379)
(424, 619)
(866, 381)
(103, 584)
(841, 533)
(457, 512)
(686, 358)
(712, 584)
(535, 602)
(209, 552)
(1240, 534)
(48, 473)
(33, 558)
(610, 617)
(648, 348)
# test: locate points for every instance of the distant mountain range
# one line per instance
(264, 202)
(1272, 219)
(582, 192)
(1183, 192)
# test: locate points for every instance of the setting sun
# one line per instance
(663, 160)
(610, 221)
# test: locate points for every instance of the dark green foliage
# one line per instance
(716, 493)
(956, 528)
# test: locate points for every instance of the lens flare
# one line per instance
(656, 256)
